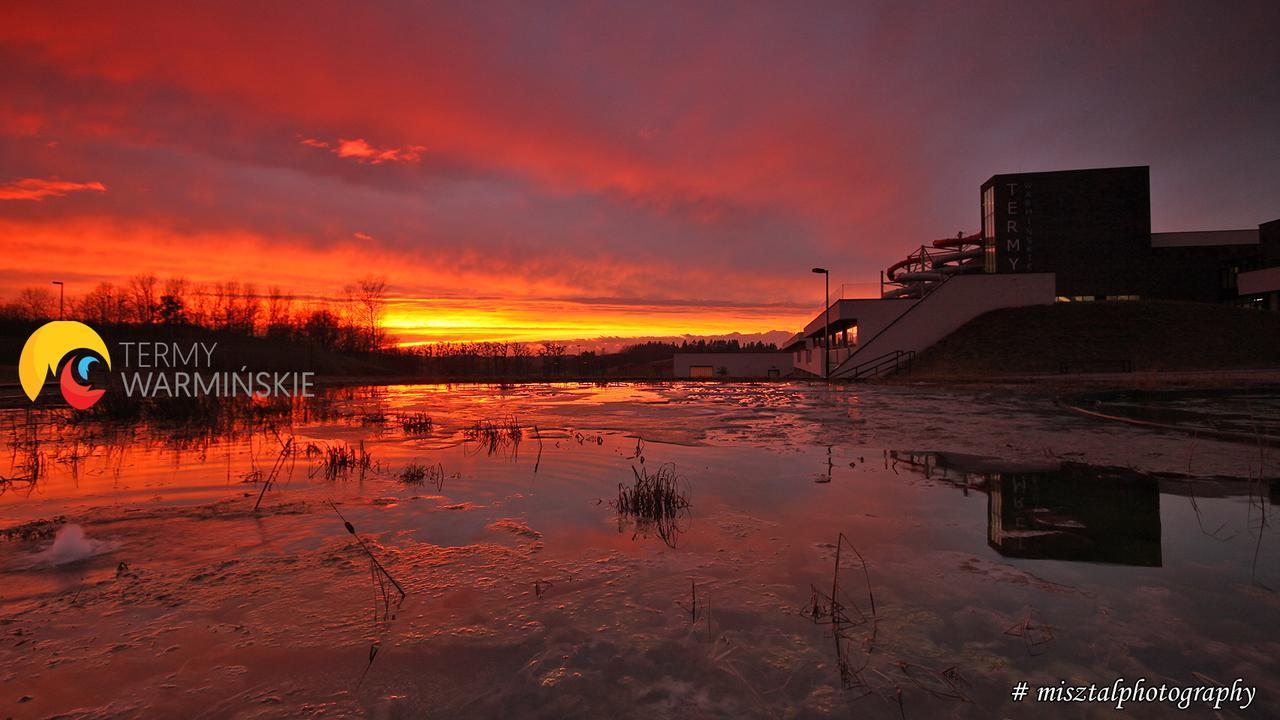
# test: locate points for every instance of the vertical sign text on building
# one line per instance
(1015, 229)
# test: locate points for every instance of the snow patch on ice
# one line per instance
(69, 546)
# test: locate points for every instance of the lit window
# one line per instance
(989, 230)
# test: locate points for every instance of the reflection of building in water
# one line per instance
(1056, 511)
(1077, 513)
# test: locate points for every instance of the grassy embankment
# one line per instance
(1142, 337)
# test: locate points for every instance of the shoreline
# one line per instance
(1040, 384)
(1050, 384)
(1058, 383)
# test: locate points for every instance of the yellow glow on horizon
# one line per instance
(428, 320)
(431, 305)
(431, 322)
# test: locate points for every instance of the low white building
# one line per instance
(878, 335)
(1260, 288)
(738, 365)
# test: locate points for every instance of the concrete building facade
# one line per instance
(1092, 229)
(1066, 236)
(866, 333)
(1258, 282)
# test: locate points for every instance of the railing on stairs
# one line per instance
(840, 371)
(887, 364)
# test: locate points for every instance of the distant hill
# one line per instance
(1107, 337)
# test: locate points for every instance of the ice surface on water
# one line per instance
(169, 596)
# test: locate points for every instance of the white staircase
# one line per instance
(954, 302)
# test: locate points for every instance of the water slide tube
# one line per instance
(920, 271)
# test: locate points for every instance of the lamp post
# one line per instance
(826, 321)
(62, 292)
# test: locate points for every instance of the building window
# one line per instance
(989, 230)
(1230, 277)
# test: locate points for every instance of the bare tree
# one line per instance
(219, 304)
(198, 305)
(368, 298)
(172, 307)
(552, 356)
(521, 353)
(248, 308)
(279, 311)
(500, 357)
(143, 298)
(322, 327)
(105, 305)
(35, 303)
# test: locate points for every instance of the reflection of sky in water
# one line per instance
(526, 595)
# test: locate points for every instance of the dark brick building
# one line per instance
(1092, 228)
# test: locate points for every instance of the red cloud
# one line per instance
(628, 154)
(361, 151)
(40, 188)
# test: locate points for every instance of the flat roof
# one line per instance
(1256, 282)
(1147, 168)
(1200, 238)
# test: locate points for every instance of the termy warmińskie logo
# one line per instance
(68, 349)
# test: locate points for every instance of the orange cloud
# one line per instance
(361, 151)
(39, 188)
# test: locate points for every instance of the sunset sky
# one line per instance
(555, 171)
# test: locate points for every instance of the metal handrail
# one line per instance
(918, 302)
(874, 366)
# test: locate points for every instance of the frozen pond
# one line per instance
(987, 539)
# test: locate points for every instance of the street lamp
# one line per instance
(62, 291)
(826, 322)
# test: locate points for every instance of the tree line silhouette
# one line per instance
(351, 324)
